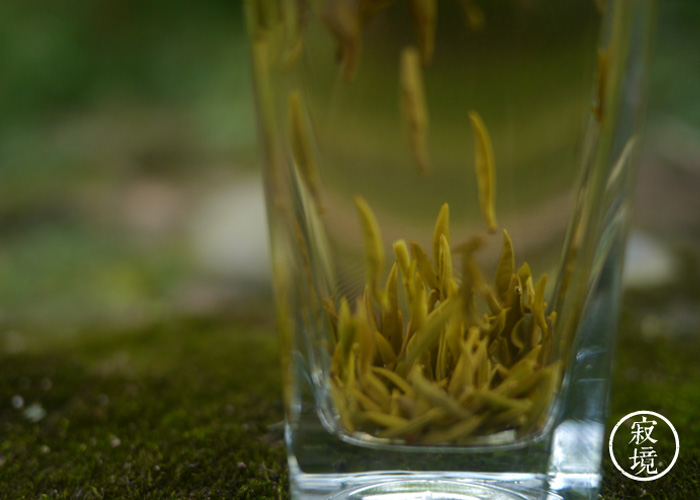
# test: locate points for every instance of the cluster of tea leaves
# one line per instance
(449, 375)
(445, 373)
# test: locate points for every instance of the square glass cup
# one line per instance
(447, 191)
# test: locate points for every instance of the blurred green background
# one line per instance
(127, 144)
(130, 199)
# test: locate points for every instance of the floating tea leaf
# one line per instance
(474, 17)
(342, 18)
(413, 107)
(484, 170)
(425, 19)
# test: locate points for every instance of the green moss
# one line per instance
(192, 409)
(179, 411)
(659, 374)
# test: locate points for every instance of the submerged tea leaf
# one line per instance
(452, 375)
(483, 164)
(370, 8)
(374, 249)
(538, 304)
(343, 21)
(385, 350)
(390, 316)
(445, 268)
(414, 425)
(424, 266)
(434, 395)
(385, 420)
(425, 19)
(474, 16)
(506, 267)
(414, 110)
(454, 433)
(426, 337)
(395, 379)
(442, 227)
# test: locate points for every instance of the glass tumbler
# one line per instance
(447, 191)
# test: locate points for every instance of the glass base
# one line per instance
(572, 459)
(442, 486)
(562, 463)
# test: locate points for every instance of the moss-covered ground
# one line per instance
(191, 408)
(186, 409)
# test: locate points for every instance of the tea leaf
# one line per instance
(474, 16)
(374, 250)
(484, 167)
(414, 111)
(341, 406)
(364, 336)
(419, 308)
(349, 376)
(533, 355)
(403, 257)
(462, 374)
(390, 316)
(513, 383)
(498, 323)
(376, 389)
(425, 19)
(385, 350)
(543, 394)
(538, 304)
(514, 415)
(506, 267)
(442, 228)
(342, 19)
(365, 402)
(517, 335)
(526, 289)
(424, 266)
(453, 335)
(426, 337)
(370, 8)
(369, 309)
(498, 402)
(445, 268)
(435, 396)
(384, 420)
(482, 368)
(395, 379)
(433, 299)
(445, 358)
(346, 330)
(455, 432)
(414, 425)
(527, 383)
